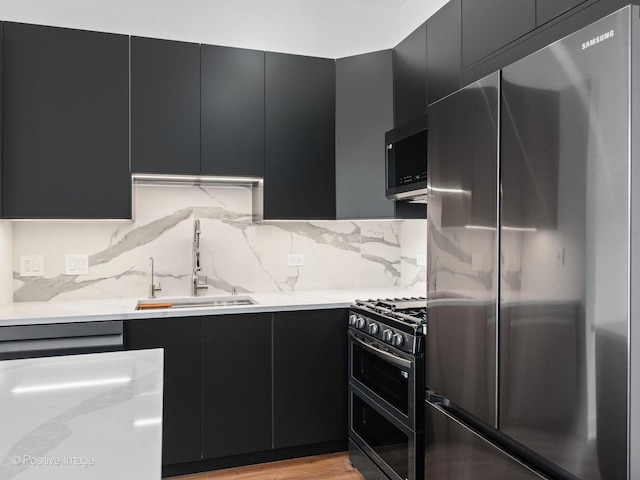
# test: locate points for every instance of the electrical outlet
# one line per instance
(295, 260)
(31, 265)
(421, 260)
(76, 264)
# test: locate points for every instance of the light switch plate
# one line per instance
(295, 260)
(76, 264)
(31, 265)
(421, 260)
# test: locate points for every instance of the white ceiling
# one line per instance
(323, 28)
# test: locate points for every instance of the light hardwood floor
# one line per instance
(323, 467)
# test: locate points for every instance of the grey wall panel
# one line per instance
(364, 112)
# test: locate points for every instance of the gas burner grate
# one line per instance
(402, 304)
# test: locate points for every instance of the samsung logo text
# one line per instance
(598, 39)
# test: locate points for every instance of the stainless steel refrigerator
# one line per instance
(533, 241)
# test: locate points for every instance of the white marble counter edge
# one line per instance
(38, 313)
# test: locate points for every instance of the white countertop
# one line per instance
(82, 416)
(30, 313)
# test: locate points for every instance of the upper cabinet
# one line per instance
(232, 128)
(299, 180)
(165, 106)
(492, 24)
(364, 112)
(196, 109)
(66, 123)
(410, 76)
(443, 51)
(549, 9)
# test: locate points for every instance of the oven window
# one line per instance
(390, 443)
(383, 378)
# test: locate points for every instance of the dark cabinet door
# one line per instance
(300, 137)
(309, 377)
(232, 111)
(443, 51)
(66, 123)
(182, 403)
(236, 384)
(491, 24)
(364, 112)
(549, 9)
(410, 76)
(165, 106)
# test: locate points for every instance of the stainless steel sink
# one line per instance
(195, 302)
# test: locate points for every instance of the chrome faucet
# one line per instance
(152, 288)
(196, 286)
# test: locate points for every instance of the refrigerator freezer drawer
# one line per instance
(454, 452)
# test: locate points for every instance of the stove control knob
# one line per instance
(373, 328)
(352, 320)
(398, 340)
(387, 335)
(361, 323)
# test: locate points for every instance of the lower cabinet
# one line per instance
(309, 377)
(181, 339)
(245, 384)
(236, 384)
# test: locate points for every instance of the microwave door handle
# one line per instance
(391, 358)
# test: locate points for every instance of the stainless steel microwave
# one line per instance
(406, 154)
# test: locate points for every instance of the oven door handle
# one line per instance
(390, 357)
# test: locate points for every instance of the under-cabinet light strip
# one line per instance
(144, 177)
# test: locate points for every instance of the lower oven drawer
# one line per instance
(363, 464)
(387, 441)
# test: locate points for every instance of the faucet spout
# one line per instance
(196, 285)
(152, 288)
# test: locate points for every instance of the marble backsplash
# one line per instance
(235, 252)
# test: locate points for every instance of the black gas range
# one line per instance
(386, 387)
(400, 322)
